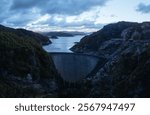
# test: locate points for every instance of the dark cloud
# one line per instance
(23, 4)
(21, 13)
(68, 7)
(143, 8)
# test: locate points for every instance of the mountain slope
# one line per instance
(93, 41)
(43, 40)
(126, 73)
(26, 70)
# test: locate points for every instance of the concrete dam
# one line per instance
(73, 66)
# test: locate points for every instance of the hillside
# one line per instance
(43, 40)
(126, 47)
(93, 41)
(26, 70)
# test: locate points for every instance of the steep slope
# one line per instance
(126, 47)
(26, 70)
(126, 73)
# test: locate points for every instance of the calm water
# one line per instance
(62, 44)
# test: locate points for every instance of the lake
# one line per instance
(62, 44)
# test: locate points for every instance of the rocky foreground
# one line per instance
(126, 73)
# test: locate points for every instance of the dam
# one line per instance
(73, 66)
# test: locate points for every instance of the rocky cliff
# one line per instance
(126, 73)
(26, 70)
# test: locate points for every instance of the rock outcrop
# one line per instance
(93, 41)
(126, 73)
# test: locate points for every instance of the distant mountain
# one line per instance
(60, 34)
(63, 33)
(76, 33)
(41, 39)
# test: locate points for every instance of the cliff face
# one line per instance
(125, 74)
(26, 70)
(126, 47)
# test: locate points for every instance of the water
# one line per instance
(62, 44)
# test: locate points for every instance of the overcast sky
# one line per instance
(76, 15)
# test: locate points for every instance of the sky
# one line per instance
(71, 15)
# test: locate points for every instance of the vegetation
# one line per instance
(24, 65)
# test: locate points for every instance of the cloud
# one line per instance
(143, 8)
(86, 19)
(68, 7)
(67, 22)
(50, 13)
(4, 6)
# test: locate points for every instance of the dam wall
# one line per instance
(73, 66)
